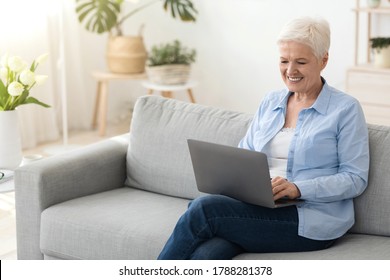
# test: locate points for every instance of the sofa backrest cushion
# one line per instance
(158, 158)
(372, 208)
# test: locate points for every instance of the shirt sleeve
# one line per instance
(353, 155)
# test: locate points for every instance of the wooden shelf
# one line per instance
(371, 87)
(365, 81)
(383, 10)
(371, 13)
(371, 68)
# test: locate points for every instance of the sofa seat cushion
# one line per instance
(124, 223)
(349, 247)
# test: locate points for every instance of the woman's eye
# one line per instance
(284, 61)
(301, 62)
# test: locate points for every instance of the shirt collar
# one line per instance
(320, 105)
(283, 100)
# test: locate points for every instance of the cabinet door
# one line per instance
(372, 89)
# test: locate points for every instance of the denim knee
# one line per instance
(216, 249)
(203, 202)
(197, 204)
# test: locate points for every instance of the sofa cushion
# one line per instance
(372, 207)
(349, 247)
(128, 223)
(123, 224)
(158, 158)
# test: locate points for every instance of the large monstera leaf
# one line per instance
(102, 15)
(98, 15)
(183, 8)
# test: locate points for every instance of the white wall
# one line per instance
(237, 57)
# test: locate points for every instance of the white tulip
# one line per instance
(27, 77)
(4, 74)
(15, 88)
(40, 79)
(4, 60)
(16, 64)
(42, 58)
(17, 77)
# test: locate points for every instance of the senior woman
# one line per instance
(316, 140)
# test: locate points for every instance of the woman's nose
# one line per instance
(291, 69)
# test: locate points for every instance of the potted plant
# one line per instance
(125, 54)
(381, 49)
(373, 3)
(170, 63)
(17, 78)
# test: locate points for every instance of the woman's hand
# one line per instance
(283, 188)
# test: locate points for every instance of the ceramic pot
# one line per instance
(373, 3)
(382, 57)
(10, 141)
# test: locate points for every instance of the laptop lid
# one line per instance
(238, 173)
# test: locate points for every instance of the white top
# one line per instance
(277, 151)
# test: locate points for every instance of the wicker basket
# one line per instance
(126, 54)
(172, 74)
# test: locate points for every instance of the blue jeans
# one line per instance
(220, 227)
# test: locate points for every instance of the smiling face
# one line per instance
(300, 68)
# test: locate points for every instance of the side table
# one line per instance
(7, 183)
(103, 78)
(166, 90)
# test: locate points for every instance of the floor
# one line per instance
(7, 200)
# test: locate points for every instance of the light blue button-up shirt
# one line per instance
(328, 157)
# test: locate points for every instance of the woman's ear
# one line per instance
(325, 60)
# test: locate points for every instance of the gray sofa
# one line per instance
(120, 198)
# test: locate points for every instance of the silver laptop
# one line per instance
(238, 173)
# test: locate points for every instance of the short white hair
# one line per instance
(313, 32)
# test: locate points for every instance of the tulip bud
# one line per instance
(40, 79)
(42, 58)
(15, 89)
(16, 64)
(27, 77)
(4, 60)
(4, 74)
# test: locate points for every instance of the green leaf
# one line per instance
(82, 6)
(3, 89)
(171, 53)
(98, 15)
(380, 42)
(20, 100)
(173, 11)
(84, 12)
(33, 66)
(184, 8)
(32, 100)
(102, 15)
(3, 94)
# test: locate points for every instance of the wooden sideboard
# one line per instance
(369, 84)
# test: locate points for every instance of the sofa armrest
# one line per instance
(92, 169)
